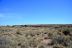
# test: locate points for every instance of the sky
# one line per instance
(14, 12)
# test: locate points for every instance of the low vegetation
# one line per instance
(36, 36)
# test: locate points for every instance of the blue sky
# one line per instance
(35, 12)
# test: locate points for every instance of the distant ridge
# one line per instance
(42, 25)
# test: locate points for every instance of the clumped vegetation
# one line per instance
(36, 36)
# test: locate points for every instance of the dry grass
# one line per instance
(52, 36)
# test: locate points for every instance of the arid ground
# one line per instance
(36, 36)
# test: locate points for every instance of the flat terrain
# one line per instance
(36, 36)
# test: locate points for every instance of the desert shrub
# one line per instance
(7, 42)
(50, 35)
(61, 40)
(37, 33)
(32, 42)
(24, 46)
(19, 44)
(58, 39)
(4, 43)
(32, 34)
(2, 30)
(18, 32)
(66, 32)
(45, 33)
(41, 46)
